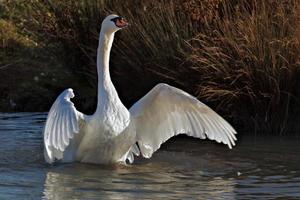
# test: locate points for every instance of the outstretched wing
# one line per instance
(61, 125)
(167, 111)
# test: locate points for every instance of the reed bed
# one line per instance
(240, 57)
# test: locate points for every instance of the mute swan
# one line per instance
(114, 134)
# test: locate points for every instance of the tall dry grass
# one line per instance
(241, 57)
(248, 59)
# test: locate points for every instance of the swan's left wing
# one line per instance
(61, 125)
(167, 111)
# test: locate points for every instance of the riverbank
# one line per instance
(241, 58)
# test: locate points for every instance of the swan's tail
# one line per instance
(133, 151)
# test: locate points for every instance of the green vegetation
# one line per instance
(240, 57)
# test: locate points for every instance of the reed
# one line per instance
(241, 57)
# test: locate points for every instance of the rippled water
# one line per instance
(258, 168)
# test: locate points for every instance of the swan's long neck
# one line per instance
(106, 90)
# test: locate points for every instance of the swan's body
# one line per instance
(112, 133)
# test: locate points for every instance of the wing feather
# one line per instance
(57, 132)
(74, 122)
(63, 132)
(69, 126)
(64, 136)
(53, 130)
(167, 111)
(61, 125)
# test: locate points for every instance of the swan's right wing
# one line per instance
(61, 125)
(167, 111)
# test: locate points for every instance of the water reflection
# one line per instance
(141, 182)
(264, 168)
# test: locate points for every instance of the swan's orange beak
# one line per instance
(121, 23)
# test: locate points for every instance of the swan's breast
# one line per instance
(114, 117)
(102, 145)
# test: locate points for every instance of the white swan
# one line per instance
(112, 133)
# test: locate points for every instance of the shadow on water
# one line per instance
(260, 167)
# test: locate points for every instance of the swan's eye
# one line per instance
(120, 22)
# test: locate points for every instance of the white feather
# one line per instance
(58, 131)
(111, 133)
(167, 111)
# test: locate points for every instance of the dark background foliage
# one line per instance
(240, 57)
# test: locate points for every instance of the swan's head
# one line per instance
(113, 23)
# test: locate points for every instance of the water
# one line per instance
(258, 168)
